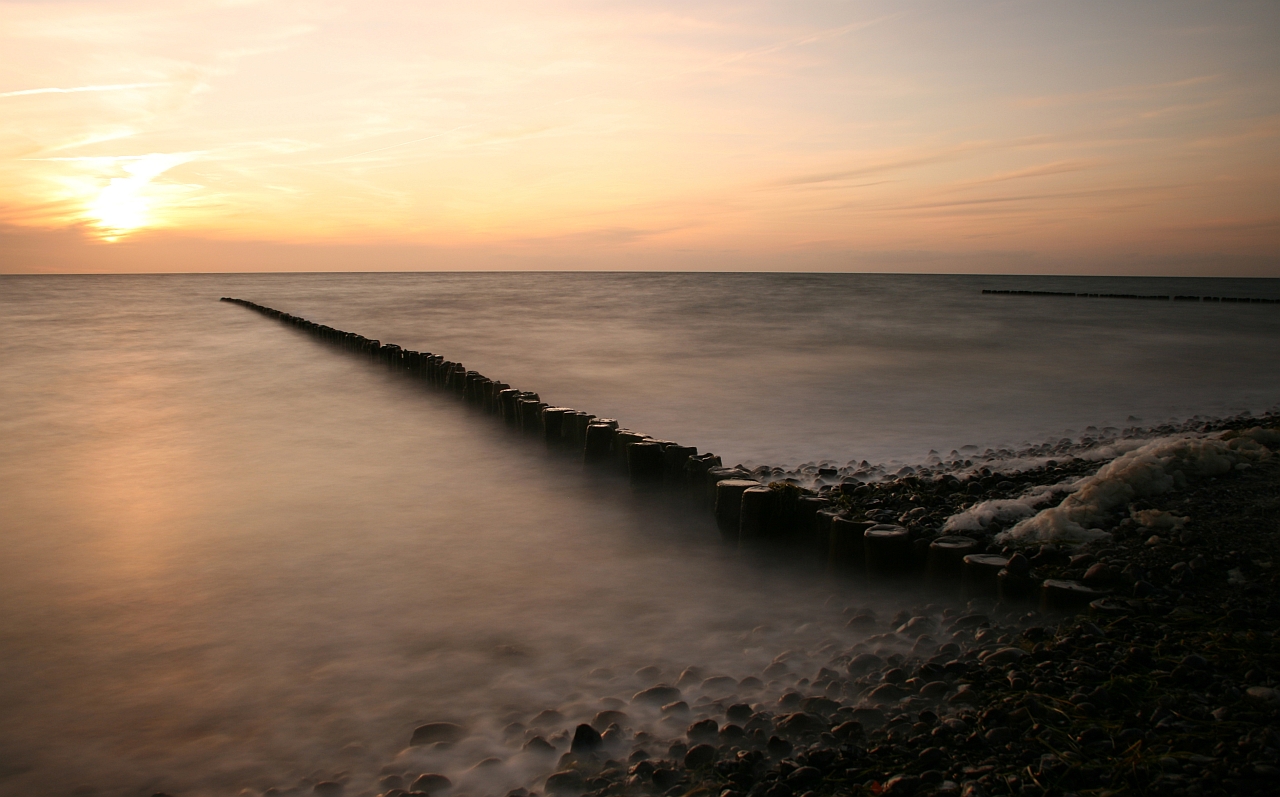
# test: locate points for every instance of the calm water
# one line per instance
(233, 558)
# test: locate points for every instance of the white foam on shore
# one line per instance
(1148, 470)
(1006, 510)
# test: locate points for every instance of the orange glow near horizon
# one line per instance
(645, 132)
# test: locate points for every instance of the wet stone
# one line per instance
(565, 782)
(434, 732)
(738, 713)
(608, 717)
(700, 755)
(539, 746)
(659, 695)
(703, 730)
(430, 783)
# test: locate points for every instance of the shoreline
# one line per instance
(1149, 666)
(1167, 687)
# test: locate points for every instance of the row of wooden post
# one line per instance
(746, 510)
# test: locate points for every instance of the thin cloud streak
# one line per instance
(877, 168)
(1046, 170)
(80, 89)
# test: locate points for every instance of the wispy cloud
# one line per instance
(1113, 93)
(80, 89)
(943, 156)
(809, 38)
(1044, 170)
(1041, 197)
(604, 236)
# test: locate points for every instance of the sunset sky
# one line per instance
(1021, 137)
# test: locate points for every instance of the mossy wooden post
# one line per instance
(945, 566)
(717, 474)
(644, 463)
(729, 505)
(807, 509)
(846, 542)
(887, 550)
(674, 458)
(598, 446)
(622, 440)
(553, 425)
(981, 575)
(756, 513)
(695, 472)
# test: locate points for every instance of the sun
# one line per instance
(124, 206)
(119, 209)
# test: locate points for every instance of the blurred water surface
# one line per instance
(235, 558)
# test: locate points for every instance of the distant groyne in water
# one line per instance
(1156, 297)
(890, 530)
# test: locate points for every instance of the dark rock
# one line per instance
(644, 768)
(699, 756)
(732, 733)
(1195, 662)
(1101, 575)
(800, 724)
(738, 712)
(569, 781)
(847, 731)
(719, 685)
(703, 730)
(665, 778)
(894, 676)
(869, 717)
(586, 740)
(931, 757)
(819, 705)
(659, 695)
(431, 783)
(790, 700)
(902, 784)
(608, 717)
(864, 663)
(778, 747)
(433, 732)
(776, 670)
(804, 778)
(539, 745)
(886, 693)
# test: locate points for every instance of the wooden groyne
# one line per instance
(888, 531)
(1155, 297)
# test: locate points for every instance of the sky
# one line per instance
(992, 137)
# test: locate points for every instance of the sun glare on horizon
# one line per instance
(124, 206)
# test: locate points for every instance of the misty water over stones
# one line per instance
(1084, 664)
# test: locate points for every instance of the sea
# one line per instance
(236, 561)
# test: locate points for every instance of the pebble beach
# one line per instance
(1162, 682)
